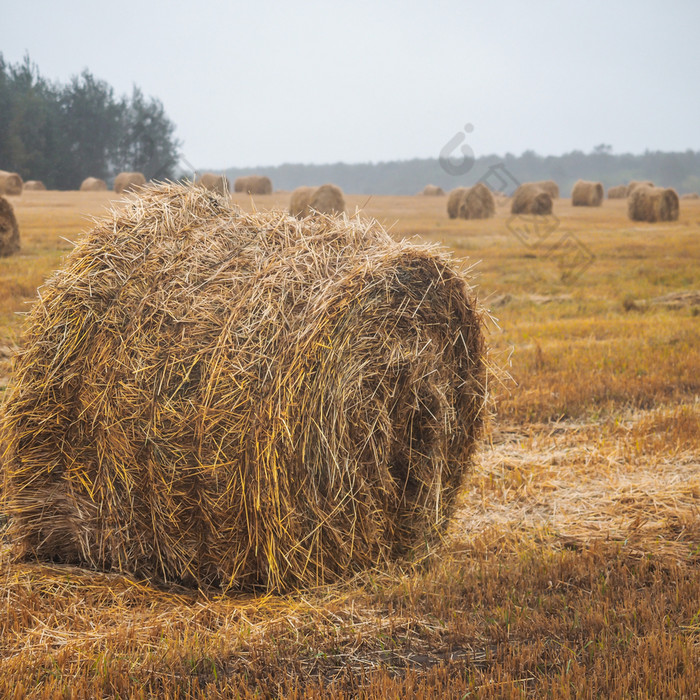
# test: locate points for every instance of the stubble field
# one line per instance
(571, 568)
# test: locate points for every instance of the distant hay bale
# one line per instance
(253, 184)
(214, 183)
(453, 201)
(617, 192)
(690, 195)
(128, 182)
(247, 400)
(299, 202)
(477, 203)
(9, 231)
(653, 204)
(93, 184)
(10, 183)
(36, 185)
(433, 191)
(587, 194)
(550, 187)
(327, 199)
(530, 198)
(633, 184)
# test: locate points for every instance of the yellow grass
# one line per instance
(571, 568)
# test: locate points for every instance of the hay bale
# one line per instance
(215, 397)
(128, 182)
(653, 204)
(550, 187)
(690, 195)
(10, 183)
(214, 183)
(299, 202)
(477, 203)
(617, 192)
(587, 194)
(93, 184)
(633, 184)
(433, 191)
(253, 184)
(327, 199)
(530, 198)
(35, 185)
(9, 231)
(453, 201)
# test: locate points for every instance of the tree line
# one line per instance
(680, 170)
(63, 133)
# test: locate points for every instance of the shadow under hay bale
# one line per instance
(587, 194)
(253, 184)
(617, 192)
(34, 185)
(93, 184)
(247, 400)
(530, 198)
(453, 201)
(10, 183)
(653, 204)
(477, 203)
(128, 182)
(9, 230)
(214, 183)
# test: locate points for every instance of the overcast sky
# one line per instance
(264, 82)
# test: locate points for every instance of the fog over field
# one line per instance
(275, 82)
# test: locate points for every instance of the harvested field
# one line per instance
(570, 567)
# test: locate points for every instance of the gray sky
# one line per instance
(264, 82)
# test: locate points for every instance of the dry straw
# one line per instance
(587, 194)
(215, 183)
(9, 231)
(653, 204)
(128, 182)
(453, 201)
(327, 199)
(550, 187)
(633, 184)
(690, 195)
(617, 192)
(36, 185)
(10, 183)
(433, 191)
(530, 198)
(253, 184)
(477, 203)
(93, 184)
(211, 396)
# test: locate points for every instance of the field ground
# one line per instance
(572, 566)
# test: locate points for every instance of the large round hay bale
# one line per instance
(214, 183)
(550, 187)
(253, 184)
(617, 192)
(35, 185)
(690, 195)
(433, 191)
(633, 184)
(10, 183)
(530, 198)
(211, 396)
(477, 203)
(299, 202)
(9, 231)
(327, 199)
(653, 204)
(587, 194)
(93, 184)
(128, 182)
(453, 201)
